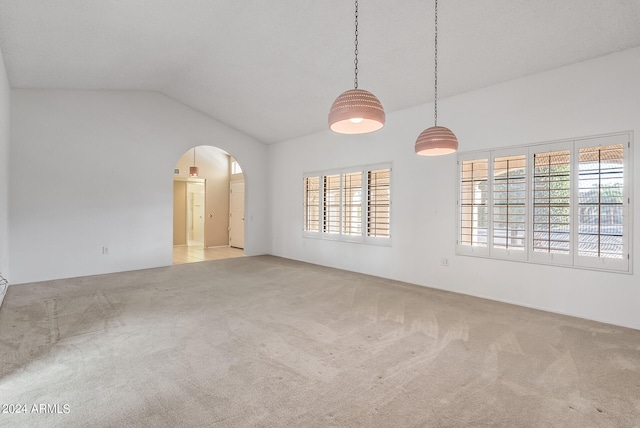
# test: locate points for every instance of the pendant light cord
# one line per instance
(355, 61)
(194, 156)
(435, 71)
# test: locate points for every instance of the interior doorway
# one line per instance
(195, 213)
(208, 210)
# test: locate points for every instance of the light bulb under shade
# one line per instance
(352, 105)
(436, 141)
(193, 171)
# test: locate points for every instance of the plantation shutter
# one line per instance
(602, 203)
(551, 220)
(509, 205)
(378, 202)
(331, 204)
(352, 203)
(474, 192)
(312, 204)
(577, 213)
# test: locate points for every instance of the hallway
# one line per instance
(190, 254)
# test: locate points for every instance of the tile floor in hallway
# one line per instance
(189, 254)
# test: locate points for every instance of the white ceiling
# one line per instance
(272, 68)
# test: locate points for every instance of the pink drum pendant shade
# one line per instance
(356, 111)
(436, 141)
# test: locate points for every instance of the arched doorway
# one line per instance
(208, 206)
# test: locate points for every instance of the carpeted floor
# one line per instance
(269, 342)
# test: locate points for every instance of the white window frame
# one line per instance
(573, 259)
(363, 237)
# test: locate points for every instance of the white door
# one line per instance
(236, 214)
(195, 214)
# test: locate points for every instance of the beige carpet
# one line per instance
(269, 342)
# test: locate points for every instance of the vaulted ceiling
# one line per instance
(272, 69)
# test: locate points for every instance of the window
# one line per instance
(603, 204)
(235, 167)
(509, 204)
(331, 204)
(355, 204)
(379, 203)
(352, 203)
(474, 207)
(551, 200)
(563, 203)
(311, 204)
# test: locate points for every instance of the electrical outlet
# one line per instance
(444, 262)
(105, 250)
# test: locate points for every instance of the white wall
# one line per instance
(594, 97)
(4, 174)
(95, 168)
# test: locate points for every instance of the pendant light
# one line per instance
(194, 170)
(356, 111)
(436, 140)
